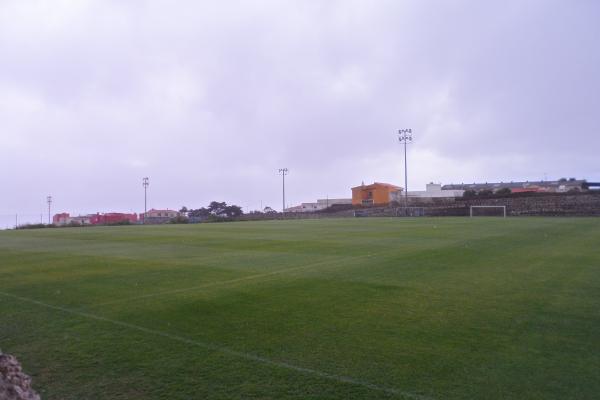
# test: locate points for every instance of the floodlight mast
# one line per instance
(283, 172)
(405, 137)
(145, 184)
(49, 201)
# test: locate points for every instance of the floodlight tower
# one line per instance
(283, 172)
(145, 184)
(49, 201)
(405, 137)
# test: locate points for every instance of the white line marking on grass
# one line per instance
(225, 350)
(226, 282)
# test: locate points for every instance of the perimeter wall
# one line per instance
(579, 204)
(576, 204)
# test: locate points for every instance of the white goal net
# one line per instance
(488, 211)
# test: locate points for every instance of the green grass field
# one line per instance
(428, 308)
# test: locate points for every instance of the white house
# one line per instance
(321, 204)
(435, 190)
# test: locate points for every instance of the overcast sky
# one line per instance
(209, 99)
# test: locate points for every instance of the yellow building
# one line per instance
(377, 194)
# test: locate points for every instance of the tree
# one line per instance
(233, 211)
(180, 219)
(485, 193)
(504, 192)
(269, 210)
(217, 208)
(469, 193)
(201, 212)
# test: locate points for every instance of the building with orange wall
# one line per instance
(376, 194)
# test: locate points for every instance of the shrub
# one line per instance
(122, 222)
(504, 192)
(470, 193)
(36, 226)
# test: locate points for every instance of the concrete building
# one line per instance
(435, 190)
(63, 219)
(325, 203)
(295, 209)
(321, 204)
(159, 216)
(375, 194)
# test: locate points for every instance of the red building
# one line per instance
(112, 218)
(94, 219)
(60, 219)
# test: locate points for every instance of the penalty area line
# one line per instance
(225, 350)
(225, 282)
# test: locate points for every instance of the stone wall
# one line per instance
(546, 205)
(14, 383)
(577, 204)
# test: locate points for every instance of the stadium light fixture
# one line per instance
(145, 184)
(283, 172)
(49, 201)
(405, 137)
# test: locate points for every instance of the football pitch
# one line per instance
(366, 308)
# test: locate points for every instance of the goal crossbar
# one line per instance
(501, 207)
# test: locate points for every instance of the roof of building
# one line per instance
(377, 184)
(514, 185)
(294, 208)
(117, 214)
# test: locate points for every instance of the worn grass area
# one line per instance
(337, 309)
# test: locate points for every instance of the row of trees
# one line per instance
(215, 210)
(504, 192)
(486, 193)
(219, 210)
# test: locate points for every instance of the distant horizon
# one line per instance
(35, 217)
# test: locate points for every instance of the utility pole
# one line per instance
(405, 136)
(49, 201)
(145, 184)
(283, 172)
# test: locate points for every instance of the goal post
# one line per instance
(488, 211)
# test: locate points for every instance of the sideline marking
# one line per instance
(225, 350)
